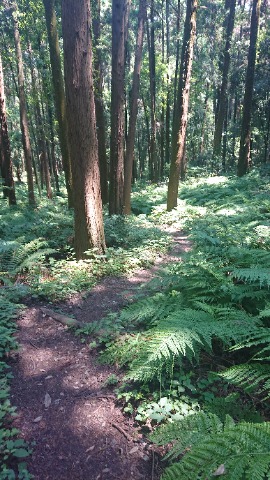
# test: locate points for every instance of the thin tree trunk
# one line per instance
(168, 108)
(116, 200)
(205, 108)
(6, 163)
(133, 109)
(244, 153)
(59, 94)
(54, 162)
(100, 114)
(23, 111)
(181, 110)
(224, 86)
(76, 22)
(153, 171)
(42, 149)
(176, 57)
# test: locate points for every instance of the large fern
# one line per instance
(15, 258)
(179, 332)
(237, 451)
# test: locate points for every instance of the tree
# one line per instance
(59, 93)
(224, 86)
(133, 108)
(23, 110)
(119, 22)
(41, 143)
(181, 109)
(244, 153)
(99, 105)
(76, 23)
(5, 160)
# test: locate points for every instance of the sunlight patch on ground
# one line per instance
(38, 362)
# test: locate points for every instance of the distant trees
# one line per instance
(133, 108)
(153, 119)
(244, 153)
(26, 141)
(59, 93)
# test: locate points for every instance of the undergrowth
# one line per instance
(195, 350)
(37, 260)
(210, 313)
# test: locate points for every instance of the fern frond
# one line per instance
(185, 333)
(256, 274)
(15, 257)
(237, 448)
(250, 377)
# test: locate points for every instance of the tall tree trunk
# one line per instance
(168, 108)
(23, 111)
(6, 163)
(181, 110)
(244, 153)
(76, 22)
(153, 171)
(133, 109)
(224, 86)
(100, 114)
(59, 94)
(119, 21)
(176, 57)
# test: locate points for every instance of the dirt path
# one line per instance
(63, 407)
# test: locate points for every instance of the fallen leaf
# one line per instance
(37, 419)
(134, 449)
(47, 400)
(220, 471)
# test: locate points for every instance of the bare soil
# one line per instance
(72, 420)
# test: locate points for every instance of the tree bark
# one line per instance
(224, 86)
(76, 22)
(6, 163)
(23, 111)
(119, 21)
(99, 105)
(181, 109)
(133, 109)
(244, 153)
(59, 94)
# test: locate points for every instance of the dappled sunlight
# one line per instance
(37, 361)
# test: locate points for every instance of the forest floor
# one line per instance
(65, 410)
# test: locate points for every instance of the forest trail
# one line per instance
(64, 408)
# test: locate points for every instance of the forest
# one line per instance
(135, 239)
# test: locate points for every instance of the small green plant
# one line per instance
(111, 380)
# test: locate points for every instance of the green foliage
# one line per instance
(239, 451)
(212, 312)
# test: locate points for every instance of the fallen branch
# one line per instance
(64, 319)
(128, 437)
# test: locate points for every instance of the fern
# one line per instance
(250, 377)
(180, 333)
(241, 451)
(15, 258)
(256, 274)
